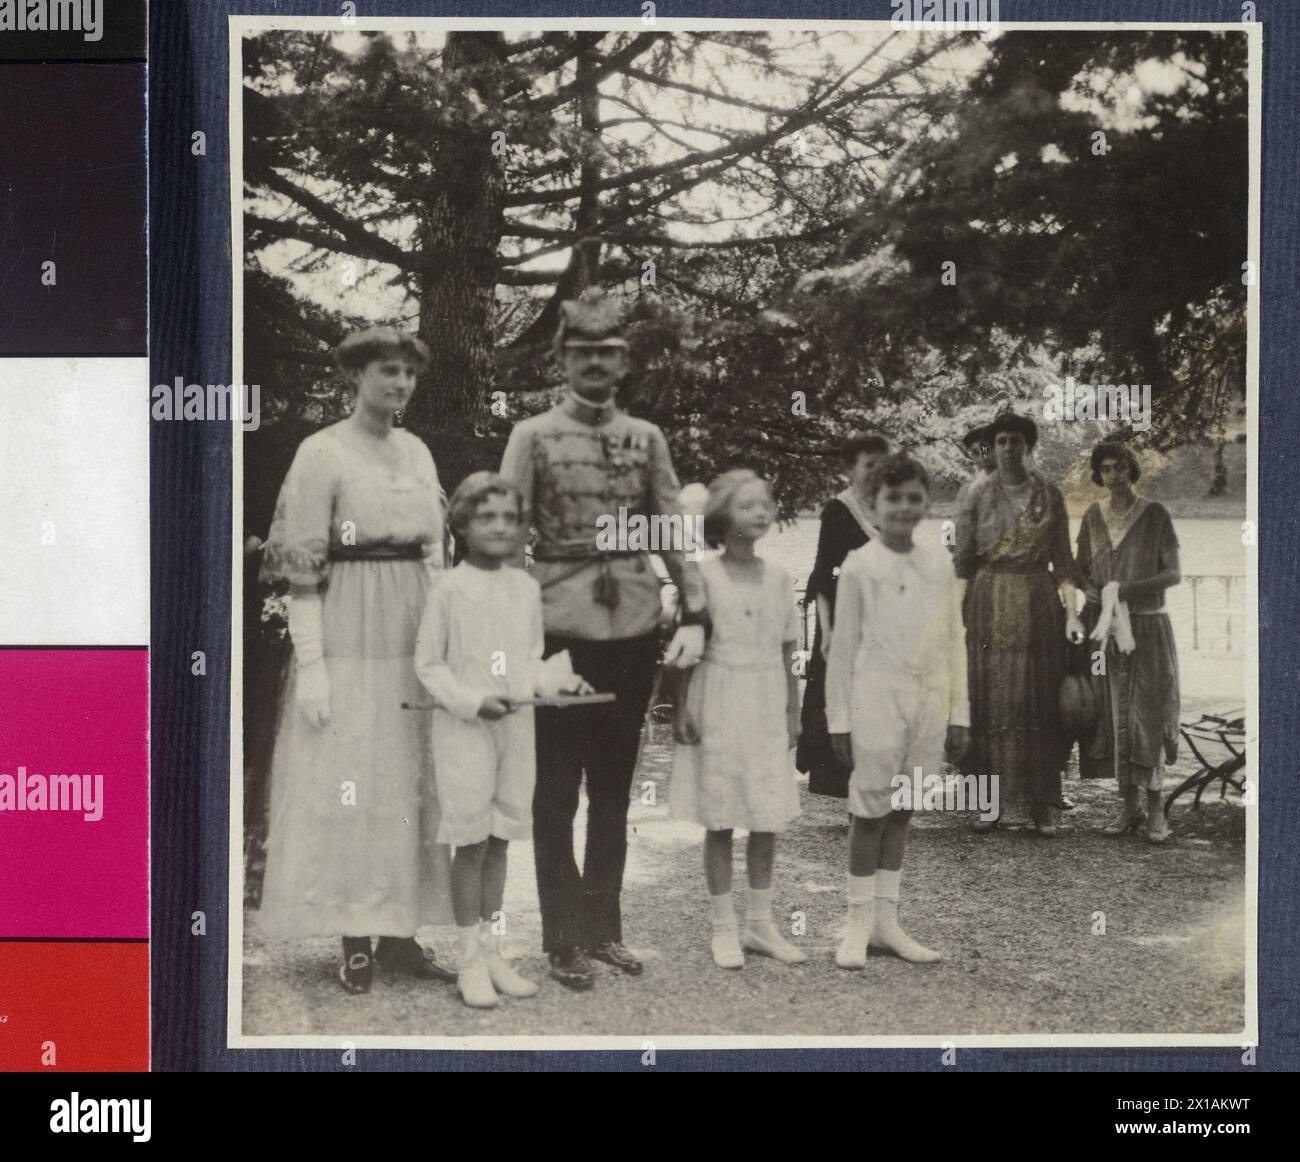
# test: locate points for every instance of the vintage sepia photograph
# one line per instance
(744, 533)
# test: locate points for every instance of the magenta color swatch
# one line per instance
(84, 713)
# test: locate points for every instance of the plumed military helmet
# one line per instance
(589, 322)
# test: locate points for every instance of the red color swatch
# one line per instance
(73, 1007)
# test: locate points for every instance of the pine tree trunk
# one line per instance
(460, 231)
(1219, 481)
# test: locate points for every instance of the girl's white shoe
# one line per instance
(769, 942)
(474, 983)
(505, 980)
(727, 952)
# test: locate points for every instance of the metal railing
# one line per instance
(1213, 620)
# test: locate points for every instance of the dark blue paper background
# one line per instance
(190, 319)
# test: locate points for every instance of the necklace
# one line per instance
(746, 583)
(1019, 494)
(1116, 517)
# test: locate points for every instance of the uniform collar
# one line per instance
(592, 414)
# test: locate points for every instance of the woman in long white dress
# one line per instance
(359, 535)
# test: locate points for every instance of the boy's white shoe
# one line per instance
(505, 980)
(727, 952)
(852, 952)
(474, 983)
(887, 933)
(767, 941)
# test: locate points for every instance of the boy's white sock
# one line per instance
(504, 978)
(887, 883)
(723, 911)
(758, 912)
(861, 895)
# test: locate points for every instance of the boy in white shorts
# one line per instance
(895, 697)
(479, 653)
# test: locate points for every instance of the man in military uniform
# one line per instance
(579, 462)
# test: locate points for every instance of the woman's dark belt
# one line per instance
(411, 552)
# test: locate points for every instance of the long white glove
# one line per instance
(307, 635)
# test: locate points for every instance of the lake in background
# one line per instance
(1208, 609)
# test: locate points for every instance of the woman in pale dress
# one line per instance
(1128, 557)
(359, 535)
(732, 766)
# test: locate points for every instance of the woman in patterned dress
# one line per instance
(1013, 549)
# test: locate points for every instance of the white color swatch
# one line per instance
(74, 501)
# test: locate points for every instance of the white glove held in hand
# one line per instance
(313, 694)
(556, 676)
(686, 648)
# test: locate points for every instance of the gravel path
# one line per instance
(1015, 915)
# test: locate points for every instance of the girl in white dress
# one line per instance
(358, 534)
(895, 697)
(479, 653)
(732, 766)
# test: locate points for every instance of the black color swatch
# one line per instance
(72, 193)
(118, 28)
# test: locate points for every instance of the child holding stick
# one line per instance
(479, 652)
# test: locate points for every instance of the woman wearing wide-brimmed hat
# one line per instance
(1013, 549)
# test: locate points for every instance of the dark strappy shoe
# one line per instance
(356, 972)
(408, 955)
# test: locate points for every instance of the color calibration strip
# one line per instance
(74, 576)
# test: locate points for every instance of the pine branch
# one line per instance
(732, 153)
(528, 277)
(364, 242)
(639, 44)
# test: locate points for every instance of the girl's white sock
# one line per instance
(723, 910)
(468, 943)
(487, 940)
(758, 914)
